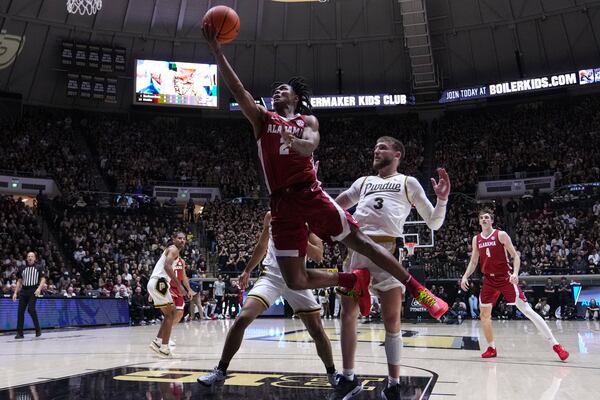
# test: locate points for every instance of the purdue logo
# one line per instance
(162, 286)
(262, 385)
(10, 48)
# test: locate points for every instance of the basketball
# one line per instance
(225, 22)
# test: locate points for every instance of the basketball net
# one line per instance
(410, 248)
(84, 7)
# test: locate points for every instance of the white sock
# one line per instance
(348, 374)
(492, 344)
(537, 320)
(393, 381)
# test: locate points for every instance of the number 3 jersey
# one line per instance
(382, 204)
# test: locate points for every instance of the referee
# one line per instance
(31, 279)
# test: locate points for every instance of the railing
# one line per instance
(25, 174)
(180, 183)
(515, 175)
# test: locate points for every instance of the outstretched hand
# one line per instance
(442, 186)
(210, 34)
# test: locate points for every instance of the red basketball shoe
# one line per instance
(489, 353)
(360, 290)
(436, 306)
(562, 353)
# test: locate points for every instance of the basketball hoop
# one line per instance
(410, 248)
(84, 7)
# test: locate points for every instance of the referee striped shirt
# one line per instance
(31, 275)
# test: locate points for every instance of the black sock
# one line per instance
(330, 370)
(223, 367)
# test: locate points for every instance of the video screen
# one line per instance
(173, 83)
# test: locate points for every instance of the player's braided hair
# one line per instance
(302, 90)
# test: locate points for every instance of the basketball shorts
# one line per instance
(380, 280)
(159, 291)
(493, 286)
(291, 210)
(269, 287)
(178, 299)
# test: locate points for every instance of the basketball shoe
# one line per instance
(434, 305)
(391, 393)
(489, 353)
(562, 353)
(214, 376)
(360, 290)
(345, 389)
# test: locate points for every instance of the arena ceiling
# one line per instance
(353, 45)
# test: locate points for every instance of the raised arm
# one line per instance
(464, 282)
(252, 111)
(433, 216)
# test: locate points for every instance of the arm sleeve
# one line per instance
(433, 216)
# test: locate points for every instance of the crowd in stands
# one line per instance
(133, 155)
(113, 251)
(232, 230)
(19, 234)
(345, 152)
(550, 138)
(43, 145)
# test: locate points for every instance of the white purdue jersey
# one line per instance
(159, 268)
(270, 261)
(382, 204)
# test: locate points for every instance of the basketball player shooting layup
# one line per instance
(269, 287)
(491, 246)
(383, 202)
(286, 140)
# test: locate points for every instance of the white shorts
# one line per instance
(269, 287)
(380, 280)
(159, 290)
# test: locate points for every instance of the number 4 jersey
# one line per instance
(383, 204)
(492, 255)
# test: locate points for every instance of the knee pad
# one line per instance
(393, 347)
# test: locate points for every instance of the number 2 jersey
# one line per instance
(382, 204)
(492, 255)
(282, 166)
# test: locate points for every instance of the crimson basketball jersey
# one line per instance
(492, 255)
(178, 267)
(282, 166)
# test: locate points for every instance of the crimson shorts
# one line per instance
(178, 299)
(493, 286)
(291, 210)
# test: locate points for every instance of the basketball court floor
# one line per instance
(278, 361)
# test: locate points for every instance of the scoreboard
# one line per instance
(91, 70)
